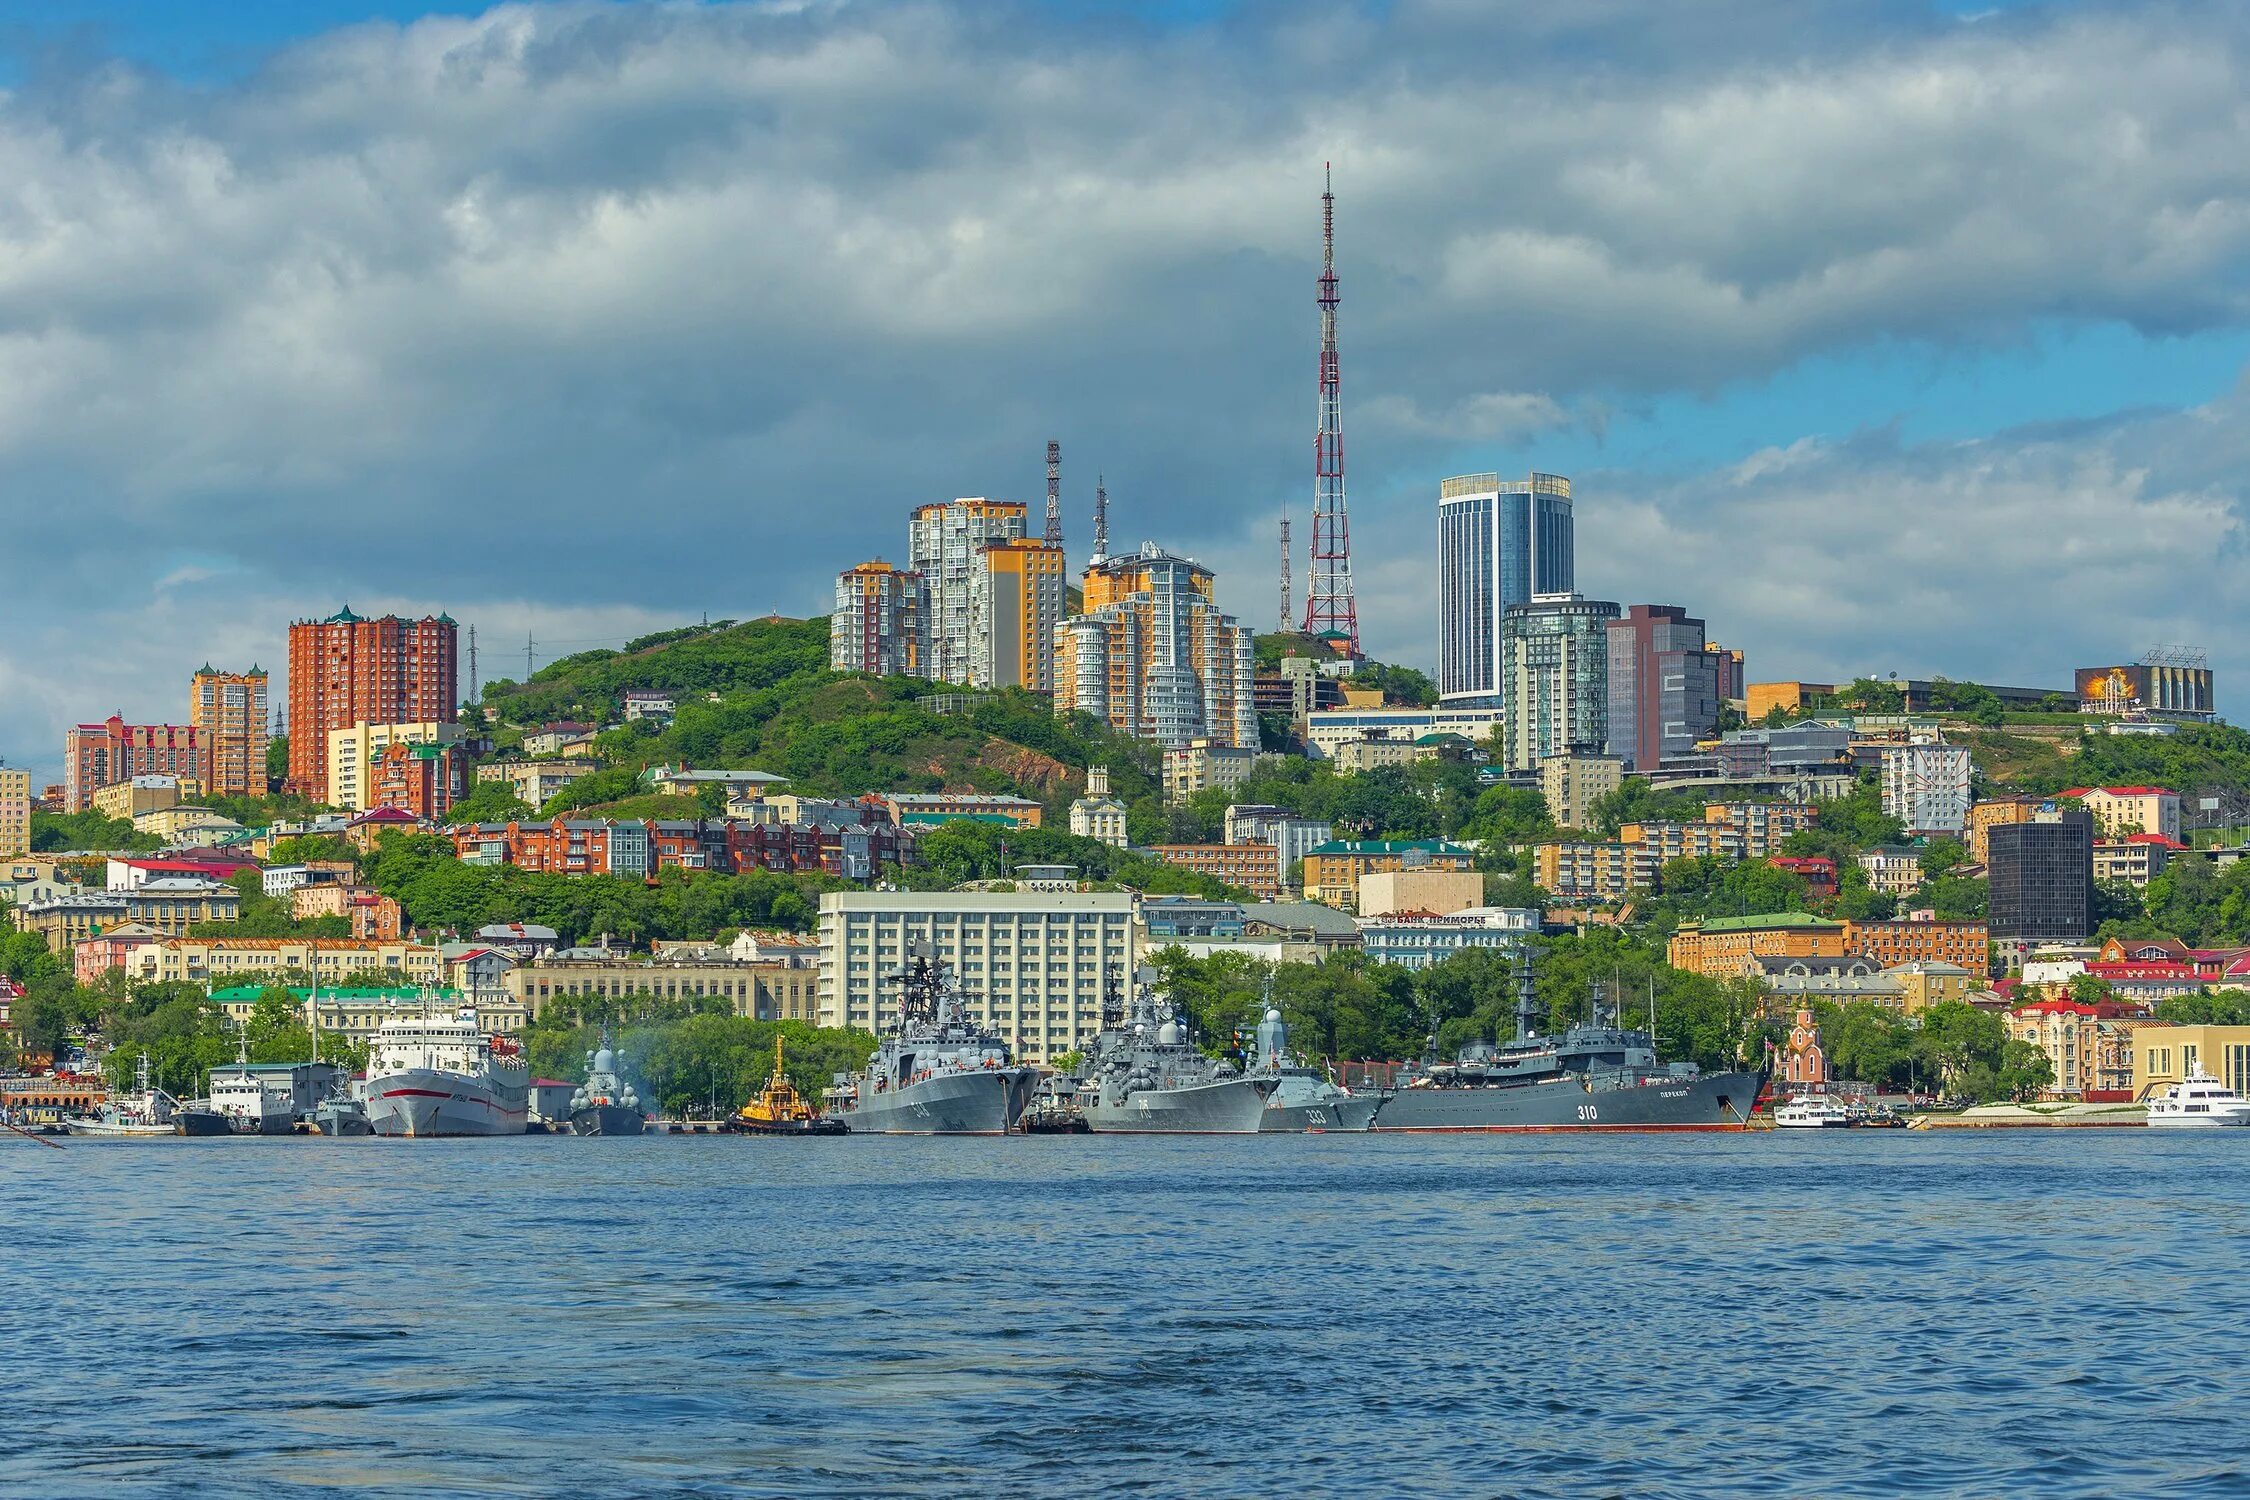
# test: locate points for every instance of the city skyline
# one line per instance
(1831, 439)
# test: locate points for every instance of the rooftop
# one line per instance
(1772, 919)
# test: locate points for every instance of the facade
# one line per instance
(534, 781)
(940, 807)
(1332, 871)
(1015, 605)
(356, 1014)
(1724, 947)
(945, 546)
(1817, 871)
(1926, 787)
(1201, 763)
(329, 960)
(1554, 678)
(1808, 749)
(15, 813)
(111, 948)
(1572, 784)
(639, 848)
(1989, 813)
(2166, 1054)
(1763, 825)
(1033, 964)
(425, 780)
(1330, 729)
(753, 991)
(1500, 543)
(2175, 690)
(1893, 869)
(373, 915)
(2136, 859)
(1153, 656)
(1293, 837)
(139, 795)
(1913, 940)
(1098, 815)
(168, 906)
(2121, 811)
(1804, 1062)
(354, 750)
(880, 622)
(104, 754)
(1670, 841)
(2090, 1047)
(1581, 870)
(1924, 983)
(1434, 893)
(1418, 940)
(2042, 880)
(346, 670)
(228, 709)
(1664, 685)
(1255, 868)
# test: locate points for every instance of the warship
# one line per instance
(938, 1072)
(1144, 1073)
(1590, 1078)
(605, 1103)
(1304, 1098)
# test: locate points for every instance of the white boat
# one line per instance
(144, 1112)
(2198, 1102)
(242, 1095)
(1811, 1112)
(441, 1075)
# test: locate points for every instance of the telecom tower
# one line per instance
(1054, 494)
(1101, 518)
(1329, 607)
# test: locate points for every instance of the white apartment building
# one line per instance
(1926, 787)
(1031, 963)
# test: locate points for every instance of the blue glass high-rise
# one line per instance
(1500, 542)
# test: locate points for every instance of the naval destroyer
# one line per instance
(441, 1075)
(1144, 1073)
(938, 1072)
(1590, 1078)
(1303, 1099)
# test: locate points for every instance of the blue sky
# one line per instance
(1888, 336)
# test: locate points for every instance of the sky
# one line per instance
(1887, 336)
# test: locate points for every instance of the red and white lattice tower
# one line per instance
(1329, 607)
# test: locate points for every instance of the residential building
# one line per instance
(1808, 749)
(1255, 868)
(1436, 893)
(1292, 837)
(1723, 947)
(355, 1013)
(15, 813)
(941, 807)
(228, 709)
(1296, 690)
(1098, 815)
(346, 670)
(1670, 841)
(354, 750)
(1580, 870)
(1033, 963)
(1987, 813)
(1015, 607)
(111, 948)
(534, 781)
(741, 784)
(1790, 980)
(136, 795)
(425, 780)
(1926, 787)
(1332, 871)
(2090, 1047)
(1201, 763)
(1152, 654)
(183, 825)
(570, 739)
(2135, 859)
(1375, 755)
(1817, 871)
(1921, 940)
(2164, 1054)
(1893, 869)
(653, 704)
(1501, 543)
(880, 622)
(2041, 878)
(1763, 825)
(945, 548)
(753, 991)
(1663, 685)
(132, 871)
(1328, 730)
(2120, 811)
(169, 906)
(330, 960)
(2157, 688)
(373, 915)
(1926, 982)
(1418, 940)
(1572, 784)
(1554, 678)
(99, 755)
(638, 848)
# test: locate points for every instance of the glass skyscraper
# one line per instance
(1500, 543)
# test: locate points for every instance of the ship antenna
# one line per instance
(1527, 995)
(1652, 1008)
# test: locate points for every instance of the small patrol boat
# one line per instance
(605, 1103)
(1304, 1098)
(780, 1110)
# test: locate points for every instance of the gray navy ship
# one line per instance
(938, 1072)
(1144, 1073)
(1303, 1099)
(605, 1103)
(1590, 1078)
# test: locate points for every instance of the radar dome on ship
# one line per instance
(1273, 1013)
(1168, 1035)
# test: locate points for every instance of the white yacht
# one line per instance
(1811, 1112)
(434, 1074)
(2198, 1102)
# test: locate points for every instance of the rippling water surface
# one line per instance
(1849, 1313)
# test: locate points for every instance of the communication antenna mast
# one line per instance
(1288, 621)
(1330, 609)
(472, 664)
(1101, 519)
(1054, 494)
(527, 646)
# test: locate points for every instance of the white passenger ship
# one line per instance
(441, 1075)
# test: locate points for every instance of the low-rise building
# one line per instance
(942, 807)
(170, 906)
(111, 949)
(1817, 871)
(2089, 1047)
(1255, 868)
(1417, 940)
(2135, 859)
(1332, 871)
(1098, 815)
(1328, 731)
(754, 991)
(127, 873)
(2165, 1054)
(1893, 869)
(1725, 947)
(373, 915)
(1921, 940)
(685, 781)
(1384, 893)
(1205, 762)
(140, 795)
(2122, 810)
(1582, 871)
(1572, 784)
(1791, 979)
(567, 738)
(355, 1013)
(1293, 837)
(534, 781)
(330, 960)
(1926, 982)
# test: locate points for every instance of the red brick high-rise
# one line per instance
(346, 670)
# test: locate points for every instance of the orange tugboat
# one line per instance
(781, 1110)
